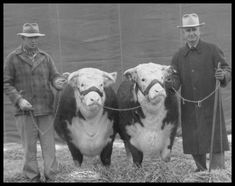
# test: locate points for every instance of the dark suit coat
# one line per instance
(196, 76)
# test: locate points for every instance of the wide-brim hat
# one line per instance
(31, 30)
(190, 20)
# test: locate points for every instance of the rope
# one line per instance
(36, 126)
(198, 101)
(35, 123)
(124, 109)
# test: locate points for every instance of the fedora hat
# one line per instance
(30, 30)
(190, 20)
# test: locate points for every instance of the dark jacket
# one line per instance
(196, 77)
(31, 80)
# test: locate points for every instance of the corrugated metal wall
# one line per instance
(113, 37)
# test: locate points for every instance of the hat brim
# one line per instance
(189, 26)
(31, 34)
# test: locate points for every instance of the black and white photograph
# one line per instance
(117, 92)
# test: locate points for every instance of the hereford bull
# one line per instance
(149, 128)
(82, 120)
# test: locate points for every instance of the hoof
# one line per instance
(167, 159)
(76, 163)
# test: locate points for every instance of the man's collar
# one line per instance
(30, 51)
(196, 48)
(20, 50)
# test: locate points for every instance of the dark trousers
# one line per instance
(200, 160)
(217, 162)
(29, 136)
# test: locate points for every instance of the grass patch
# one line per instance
(179, 169)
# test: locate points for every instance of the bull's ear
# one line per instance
(170, 70)
(73, 79)
(131, 74)
(109, 78)
(166, 67)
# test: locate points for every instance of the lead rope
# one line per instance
(198, 101)
(35, 123)
(123, 109)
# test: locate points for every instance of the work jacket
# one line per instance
(30, 79)
(195, 74)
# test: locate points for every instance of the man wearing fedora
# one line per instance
(28, 74)
(198, 65)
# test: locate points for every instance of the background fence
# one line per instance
(113, 37)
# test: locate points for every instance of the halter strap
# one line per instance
(155, 81)
(91, 89)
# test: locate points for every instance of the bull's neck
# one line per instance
(91, 115)
(152, 111)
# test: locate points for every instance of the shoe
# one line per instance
(199, 170)
(34, 180)
(49, 179)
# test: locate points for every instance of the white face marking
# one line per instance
(86, 81)
(88, 84)
(91, 136)
(144, 75)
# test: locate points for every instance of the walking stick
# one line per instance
(217, 98)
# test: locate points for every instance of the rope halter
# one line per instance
(146, 91)
(91, 89)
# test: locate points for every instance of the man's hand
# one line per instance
(59, 82)
(66, 75)
(25, 105)
(220, 74)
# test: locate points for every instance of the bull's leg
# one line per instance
(166, 152)
(106, 153)
(137, 155)
(128, 153)
(76, 154)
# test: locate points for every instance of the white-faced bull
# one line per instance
(82, 120)
(149, 129)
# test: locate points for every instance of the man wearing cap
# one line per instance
(28, 74)
(197, 70)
